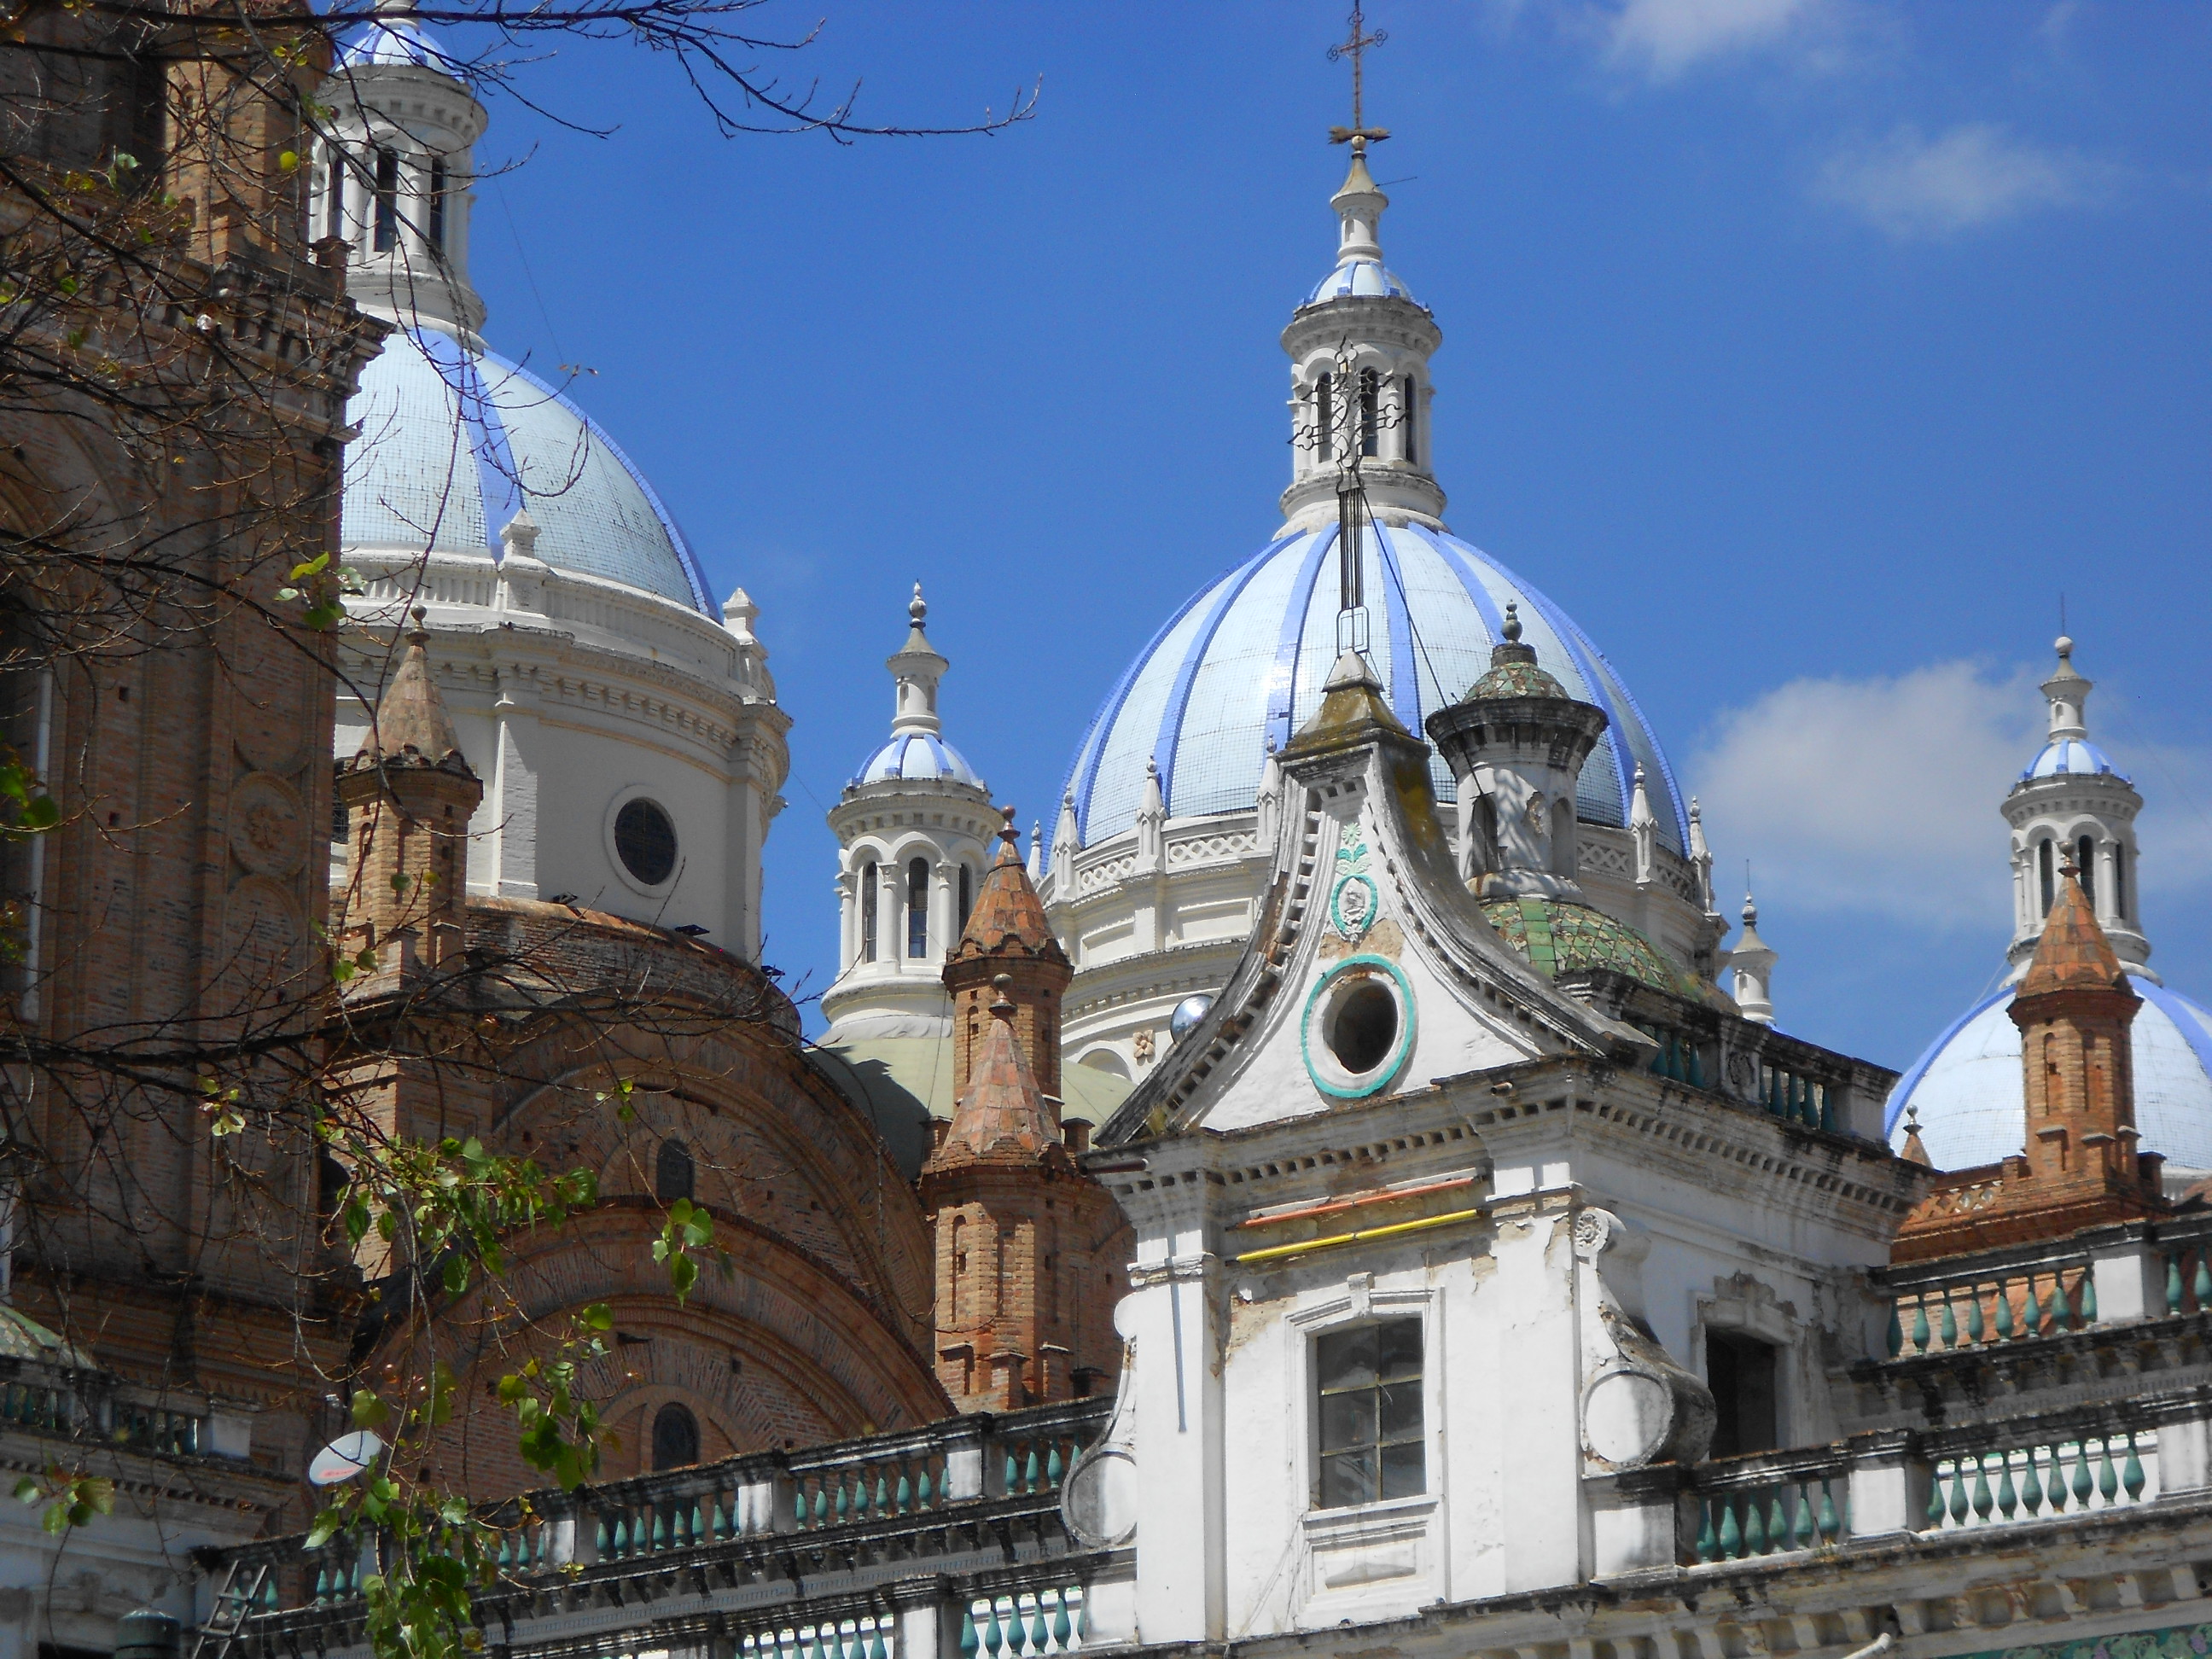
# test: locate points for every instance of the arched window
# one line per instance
(967, 894)
(673, 1172)
(917, 908)
(1409, 402)
(675, 1438)
(2050, 879)
(1370, 413)
(2120, 879)
(387, 200)
(868, 885)
(1324, 407)
(437, 215)
(2085, 857)
(334, 213)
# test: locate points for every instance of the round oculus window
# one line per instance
(1363, 1027)
(645, 841)
(1358, 1027)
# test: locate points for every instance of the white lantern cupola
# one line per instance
(391, 175)
(1359, 349)
(2071, 803)
(914, 827)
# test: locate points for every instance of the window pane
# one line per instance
(1401, 1411)
(1398, 1345)
(1347, 1419)
(1348, 1477)
(1404, 1471)
(1346, 1359)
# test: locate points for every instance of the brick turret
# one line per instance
(1030, 1250)
(1007, 938)
(409, 796)
(2079, 1167)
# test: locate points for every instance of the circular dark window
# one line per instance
(1363, 1027)
(646, 842)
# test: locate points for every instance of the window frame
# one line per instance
(1355, 1302)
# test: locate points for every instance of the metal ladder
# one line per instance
(236, 1602)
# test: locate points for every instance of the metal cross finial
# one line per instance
(1354, 46)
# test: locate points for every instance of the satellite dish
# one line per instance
(344, 1457)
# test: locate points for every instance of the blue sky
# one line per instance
(1805, 350)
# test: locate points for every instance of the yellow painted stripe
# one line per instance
(1275, 1252)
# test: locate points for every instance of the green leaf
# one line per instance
(27, 1490)
(327, 1526)
(370, 1412)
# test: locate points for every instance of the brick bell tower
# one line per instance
(1030, 1252)
(2081, 1167)
(409, 796)
(1007, 935)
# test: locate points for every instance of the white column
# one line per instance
(2107, 914)
(1392, 397)
(890, 915)
(848, 917)
(943, 926)
(511, 850)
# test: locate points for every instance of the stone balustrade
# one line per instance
(942, 1542)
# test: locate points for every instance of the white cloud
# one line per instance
(1879, 797)
(1978, 173)
(1871, 796)
(1663, 38)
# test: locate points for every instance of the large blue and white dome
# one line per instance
(1971, 1102)
(455, 441)
(1240, 667)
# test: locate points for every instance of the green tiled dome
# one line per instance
(1559, 938)
(1516, 679)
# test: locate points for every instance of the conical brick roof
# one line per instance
(2074, 954)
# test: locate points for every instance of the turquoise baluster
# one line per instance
(2004, 1311)
(822, 1502)
(599, 1535)
(2031, 1317)
(2008, 1494)
(799, 1502)
(2108, 1477)
(969, 1640)
(2031, 1491)
(1981, 1489)
(1754, 1527)
(1974, 1315)
(2062, 1315)
(844, 1502)
(2054, 1486)
(323, 1583)
(2083, 1483)
(2203, 1286)
(876, 1640)
(1038, 1629)
(1708, 1544)
(1031, 1470)
(1778, 1524)
(1896, 1331)
(921, 1490)
(1013, 1472)
(720, 1520)
(1059, 1624)
(2088, 1299)
(1959, 1500)
(1950, 1329)
(1936, 1500)
(1800, 1536)
(1920, 1324)
(660, 1532)
(882, 1505)
(1731, 1535)
(622, 1534)
(1053, 1469)
(2133, 1479)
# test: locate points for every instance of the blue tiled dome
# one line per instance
(1240, 667)
(1362, 277)
(454, 441)
(1971, 1097)
(916, 755)
(403, 40)
(2070, 758)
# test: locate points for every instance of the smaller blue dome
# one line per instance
(1365, 279)
(916, 757)
(402, 41)
(2072, 757)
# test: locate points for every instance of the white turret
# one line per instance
(1360, 377)
(1753, 964)
(391, 175)
(915, 824)
(2070, 802)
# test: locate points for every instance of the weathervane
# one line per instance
(1354, 46)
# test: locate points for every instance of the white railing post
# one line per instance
(2130, 1281)
(1888, 1483)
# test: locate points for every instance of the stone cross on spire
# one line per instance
(1354, 45)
